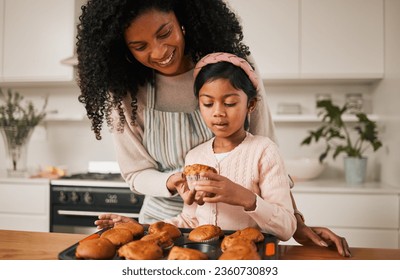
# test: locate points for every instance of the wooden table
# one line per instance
(23, 245)
(26, 245)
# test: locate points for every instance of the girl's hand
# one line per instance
(109, 220)
(220, 189)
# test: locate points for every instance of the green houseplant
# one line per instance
(338, 137)
(18, 119)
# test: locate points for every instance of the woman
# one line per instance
(135, 69)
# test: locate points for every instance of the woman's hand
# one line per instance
(321, 236)
(220, 189)
(177, 182)
(109, 220)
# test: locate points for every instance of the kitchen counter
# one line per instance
(340, 186)
(24, 245)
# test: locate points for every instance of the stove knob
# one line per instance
(62, 197)
(88, 198)
(133, 199)
(74, 197)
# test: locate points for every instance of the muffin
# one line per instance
(232, 240)
(118, 236)
(192, 173)
(95, 249)
(179, 253)
(205, 233)
(172, 230)
(250, 233)
(161, 238)
(136, 229)
(240, 252)
(140, 250)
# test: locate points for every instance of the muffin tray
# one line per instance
(267, 249)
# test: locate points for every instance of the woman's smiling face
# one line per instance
(156, 40)
(223, 108)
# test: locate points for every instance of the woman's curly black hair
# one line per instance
(107, 72)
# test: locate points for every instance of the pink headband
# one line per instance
(227, 57)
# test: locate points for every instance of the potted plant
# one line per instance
(17, 122)
(338, 139)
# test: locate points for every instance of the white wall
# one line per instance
(70, 144)
(387, 96)
(290, 135)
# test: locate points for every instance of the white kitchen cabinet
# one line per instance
(342, 38)
(314, 39)
(271, 29)
(1, 37)
(367, 216)
(25, 204)
(312, 118)
(37, 35)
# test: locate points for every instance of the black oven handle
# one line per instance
(92, 213)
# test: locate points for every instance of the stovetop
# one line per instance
(94, 176)
(91, 179)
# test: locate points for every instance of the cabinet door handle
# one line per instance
(92, 213)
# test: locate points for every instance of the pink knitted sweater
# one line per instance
(257, 165)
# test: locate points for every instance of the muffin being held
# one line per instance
(192, 173)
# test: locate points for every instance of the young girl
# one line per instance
(252, 187)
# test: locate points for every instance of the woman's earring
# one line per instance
(183, 30)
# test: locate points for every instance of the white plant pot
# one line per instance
(355, 170)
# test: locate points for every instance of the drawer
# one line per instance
(24, 222)
(24, 198)
(376, 211)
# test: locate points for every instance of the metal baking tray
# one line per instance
(268, 249)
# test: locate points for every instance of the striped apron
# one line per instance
(168, 136)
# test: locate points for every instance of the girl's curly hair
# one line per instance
(107, 71)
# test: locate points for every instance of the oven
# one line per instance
(76, 201)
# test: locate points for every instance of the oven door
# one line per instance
(75, 209)
(70, 220)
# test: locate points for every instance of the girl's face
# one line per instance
(224, 108)
(157, 41)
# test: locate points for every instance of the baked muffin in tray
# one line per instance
(185, 253)
(206, 233)
(266, 249)
(172, 230)
(95, 249)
